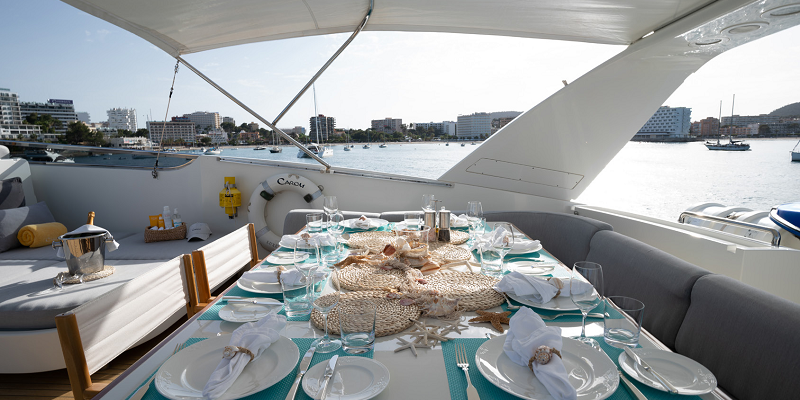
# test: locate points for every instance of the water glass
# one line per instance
(305, 265)
(336, 228)
(586, 292)
(331, 206)
(314, 222)
(295, 300)
(618, 330)
(428, 202)
(491, 262)
(415, 237)
(357, 325)
(411, 220)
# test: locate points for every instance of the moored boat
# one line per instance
(732, 145)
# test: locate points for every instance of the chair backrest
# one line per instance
(660, 280)
(212, 264)
(98, 331)
(565, 236)
(745, 336)
(296, 219)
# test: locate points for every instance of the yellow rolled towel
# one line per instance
(39, 235)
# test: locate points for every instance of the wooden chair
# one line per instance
(98, 331)
(206, 267)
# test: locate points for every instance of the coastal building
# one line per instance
(138, 142)
(295, 132)
(229, 119)
(387, 125)
(84, 117)
(62, 110)
(251, 137)
(441, 128)
(325, 125)
(253, 126)
(745, 120)
(11, 120)
(739, 130)
(172, 131)
(505, 114)
(122, 118)
(667, 123)
(204, 119)
(474, 126)
(706, 127)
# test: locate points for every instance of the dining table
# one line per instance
(430, 373)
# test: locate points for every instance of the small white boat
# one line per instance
(319, 150)
(733, 145)
(463, 144)
(275, 149)
(346, 148)
(214, 151)
(260, 148)
(383, 146)
(796, 152)
(366, 146)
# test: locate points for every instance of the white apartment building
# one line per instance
(444, 127)
(229, 119)
(474, 126)
(204, 119)
(11, 120)
(667, 122)
(84, 117)
(122, 118)
(62, 110)
(388, 125)
(138, 142)
(747, 120)
(171, 131)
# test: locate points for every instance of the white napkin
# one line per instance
(526, 332)
(254, 336)
(486, 241)
(538, 290)
(367, 223)
(322, 239)
(93, 229)
(460, 221)
(525, 245)
(289, 277)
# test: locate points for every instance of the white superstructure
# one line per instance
(122, 118)
(667, 122)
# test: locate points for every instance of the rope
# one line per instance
(164, 125)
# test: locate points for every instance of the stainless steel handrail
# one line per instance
(776, 236)
(94, 149)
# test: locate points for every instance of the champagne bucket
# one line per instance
(85, 253)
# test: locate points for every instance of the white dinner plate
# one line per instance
(248, 312)
(590, 371)
(528, 267)
(183, 376)
(560, 303)
(532, 250)
(365, 378)
(284, 257)
(259, 287)
(687, 375)
(374, 223)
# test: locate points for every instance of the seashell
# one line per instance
(305, 236)
(542, 355)
(389, 250)
(438, 306)
(406, 302)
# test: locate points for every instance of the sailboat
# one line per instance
(321, 151)
(366, 146)
(275, 148)
(383, 145)
(347, 144)
(796, 152)
(732, 145)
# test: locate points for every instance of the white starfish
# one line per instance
(410, 345)
(456, 327)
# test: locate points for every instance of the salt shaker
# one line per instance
(444, 225)
(430, 221)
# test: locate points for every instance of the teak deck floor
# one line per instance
(55, 384)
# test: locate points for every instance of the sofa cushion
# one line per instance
(133, 247)
(661, 281)
(745, 336)
(12, 220)
(296, 219)
(565, 236)
(12, 195)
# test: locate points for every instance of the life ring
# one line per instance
(266, 191)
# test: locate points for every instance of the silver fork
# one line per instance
(142, 390)
(462, 361)
(552, 317)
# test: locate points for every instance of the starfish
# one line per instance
(455, 326)
(495, 318)
(409, 345)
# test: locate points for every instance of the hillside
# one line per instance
(787, 111)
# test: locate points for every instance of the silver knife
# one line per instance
(303, 368)
(260, 302)
(328, 374)
(638, 360)
(631, 388)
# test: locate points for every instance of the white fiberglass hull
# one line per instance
(796, 156)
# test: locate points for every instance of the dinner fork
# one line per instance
(552, 317)
(142, 390)
(462, 361)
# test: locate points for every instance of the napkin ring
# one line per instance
(542, 356)
(230, 352)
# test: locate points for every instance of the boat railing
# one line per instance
(776, 236)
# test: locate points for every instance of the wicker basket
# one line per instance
(178, 233)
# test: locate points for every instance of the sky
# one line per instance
(54, 51)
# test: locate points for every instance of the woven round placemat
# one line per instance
(458, 237)
(391, 317)
(368, 277)
(374, 240)
(448, 252)
(475, 290)
(105, 272)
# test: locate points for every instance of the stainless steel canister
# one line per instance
(85, 253)
(444, 225)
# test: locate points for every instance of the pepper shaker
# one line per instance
(444, 225)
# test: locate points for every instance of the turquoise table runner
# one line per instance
(486, 390)
(279, 390)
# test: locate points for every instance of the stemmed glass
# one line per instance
(502, 241)
(427, 202)
(336, 228)
(474, 215)
(586, 291)
(324, 304)
(306, 268)
(330, 206)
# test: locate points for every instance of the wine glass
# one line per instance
(502, 241)
(301, 248)
(474, 215)
(330, 206)
(586, 291)
(336, 228)
(324, 304)
(427, 202)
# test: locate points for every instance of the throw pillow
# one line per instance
(12, 220)
(11, 194)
